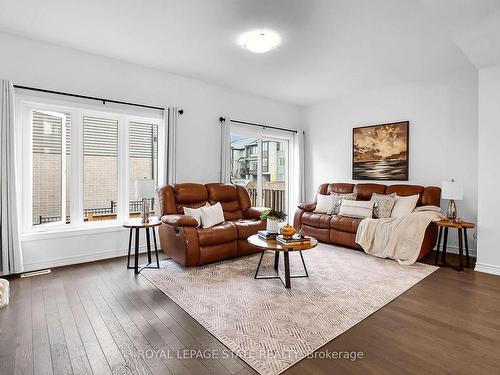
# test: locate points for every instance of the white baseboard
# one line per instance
(66, 261)
(488, 268)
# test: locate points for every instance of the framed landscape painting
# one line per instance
(380, 152)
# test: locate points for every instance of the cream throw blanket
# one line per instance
(395, 238)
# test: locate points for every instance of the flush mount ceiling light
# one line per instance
(259, 41)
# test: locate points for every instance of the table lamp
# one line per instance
(145, 190)
(452, 190)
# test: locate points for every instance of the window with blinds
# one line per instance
(51, 161)
(100, 136)
(100, 168)
(115, 149)
(143, 160)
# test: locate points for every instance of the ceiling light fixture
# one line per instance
(259, 41)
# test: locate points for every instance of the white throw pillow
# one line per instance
(212, 215)
(195, 213)
(404, 206)
(356, 209)
(337, 201)
(324, 204)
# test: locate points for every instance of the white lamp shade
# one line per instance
(452, 190)
(144, 188)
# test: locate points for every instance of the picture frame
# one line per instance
(381, 152)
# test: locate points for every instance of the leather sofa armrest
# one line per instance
(180, 220)
(307, 206)
(254, 212)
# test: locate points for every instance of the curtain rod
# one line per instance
(104, 101)
(221, 119)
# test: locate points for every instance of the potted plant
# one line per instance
(273, 218)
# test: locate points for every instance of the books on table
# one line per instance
(265, 235)
(295, 239)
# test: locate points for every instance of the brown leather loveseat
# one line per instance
(181, 239)
(341, 230)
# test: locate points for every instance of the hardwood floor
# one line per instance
(99, 317)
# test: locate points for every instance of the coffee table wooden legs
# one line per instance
(286, 278)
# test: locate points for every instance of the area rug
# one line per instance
(271, 327)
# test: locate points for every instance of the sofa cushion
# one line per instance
(365, 191)
(228, 196)
(246, 228)
(344, 223)
(321, 234)
(221, 233)
(316, 220)
(340, 188)
(190, 195)
(430, 197)
(407, 190)
(214, 253)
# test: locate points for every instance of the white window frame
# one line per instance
(24, 106)
(266, 134)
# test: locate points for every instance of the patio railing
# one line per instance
(134, 207)
(273, 195)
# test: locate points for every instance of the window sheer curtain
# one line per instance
(11, 260)
(171, 120)
(225, 159)
(299, 189)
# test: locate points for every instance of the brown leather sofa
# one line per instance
(181, 239)
(341, 230)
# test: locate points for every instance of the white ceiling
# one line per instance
(474, 25)
(328, 46)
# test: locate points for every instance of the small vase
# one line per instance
(272, 226)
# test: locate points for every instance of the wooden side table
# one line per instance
(461, 227)
(136, 225)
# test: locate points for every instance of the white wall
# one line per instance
(489, 171)
(32, 63)
(443, 133)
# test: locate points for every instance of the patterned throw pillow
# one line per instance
(337, 201)
(383, 205)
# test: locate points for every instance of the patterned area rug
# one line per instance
(271, 327)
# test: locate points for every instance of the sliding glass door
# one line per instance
(260, 162)
(274, 174)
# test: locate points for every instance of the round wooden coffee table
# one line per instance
(277, 247)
